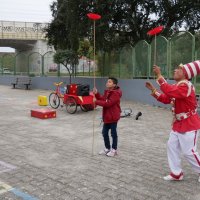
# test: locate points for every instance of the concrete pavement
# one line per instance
(52, 159)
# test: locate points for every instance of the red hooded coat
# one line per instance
(110, 102)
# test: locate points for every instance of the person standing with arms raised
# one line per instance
(186, 121)
(110, 101)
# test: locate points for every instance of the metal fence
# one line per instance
(129, 62)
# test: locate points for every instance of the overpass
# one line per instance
(21, 36)
(32, 53)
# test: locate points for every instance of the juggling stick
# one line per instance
(94, 17)
(152, 32)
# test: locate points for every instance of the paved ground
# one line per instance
(52, 159)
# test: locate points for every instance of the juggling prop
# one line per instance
(42, 100)
(43, 113)
(138, 115)
(155, 32)
(94, 17)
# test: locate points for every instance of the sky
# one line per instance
(25, 11)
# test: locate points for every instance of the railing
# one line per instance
(22, 30)
(130, 62)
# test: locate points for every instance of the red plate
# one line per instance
(94, 16)
(156, 30)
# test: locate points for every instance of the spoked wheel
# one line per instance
(54, 100)
(71, 105)
(84, 108)
(87, 107)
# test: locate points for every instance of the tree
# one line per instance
(122, 22)
(176, 14)
(62, 32)
(68, 58)
(85, 48)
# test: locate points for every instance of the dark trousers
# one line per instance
(105, 133)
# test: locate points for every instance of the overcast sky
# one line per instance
(26, 11)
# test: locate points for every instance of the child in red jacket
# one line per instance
(110, 102)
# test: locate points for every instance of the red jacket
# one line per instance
(110, 102)
(182, 96)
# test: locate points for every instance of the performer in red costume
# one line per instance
(186, 122)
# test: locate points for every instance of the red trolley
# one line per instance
(76, 95)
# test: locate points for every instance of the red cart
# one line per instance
(73, 101)
(77, 95)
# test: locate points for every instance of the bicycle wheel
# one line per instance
(84, 108)
(87, 107)
(54, 100)
(71, 105)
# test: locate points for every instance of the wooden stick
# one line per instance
(94, 79)
(155, 51)
(154, 59)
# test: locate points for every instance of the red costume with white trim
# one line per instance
(182, 95)
(185, 127)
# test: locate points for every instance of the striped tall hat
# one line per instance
(191, 69)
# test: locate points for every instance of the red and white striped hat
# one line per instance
(191, 69)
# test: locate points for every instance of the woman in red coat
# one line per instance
(110, 102)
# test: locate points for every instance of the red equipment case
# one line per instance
(72, 89)
(43, 113)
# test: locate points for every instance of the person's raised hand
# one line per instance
(149, 85)
(95, 90)
(156, 70)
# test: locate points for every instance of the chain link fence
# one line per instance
(127, 63)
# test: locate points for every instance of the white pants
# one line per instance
(187, 144)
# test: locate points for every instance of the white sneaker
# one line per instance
(112, 153)
(172, 177)
(104, 151)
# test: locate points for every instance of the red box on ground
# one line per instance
(43, 113)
